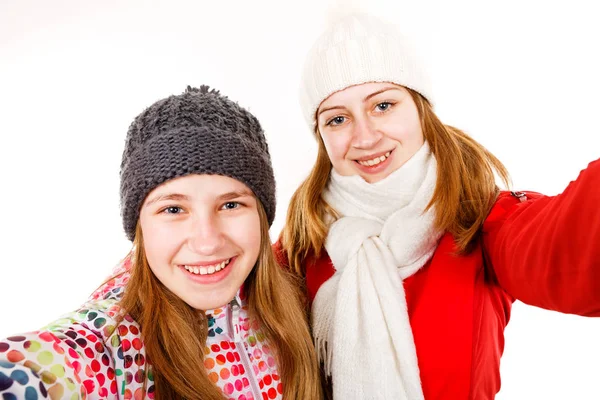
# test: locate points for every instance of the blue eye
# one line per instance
(336, 120)
(384, 106)
(231, 205)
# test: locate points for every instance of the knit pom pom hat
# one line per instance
(358, 48)
(197, 132)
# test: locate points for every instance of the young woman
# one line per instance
(199, 309)
(412, 256)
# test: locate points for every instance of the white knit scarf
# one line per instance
(360, 320)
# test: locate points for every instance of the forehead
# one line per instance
(357, 92)
(205, 185)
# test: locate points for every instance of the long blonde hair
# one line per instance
(174, 333)
(464, 193)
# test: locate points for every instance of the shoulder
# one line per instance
(280, 254)
(113, 287)
(101, 317)
(318, 270)
(507, 203)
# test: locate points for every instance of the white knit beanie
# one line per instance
(358, 48)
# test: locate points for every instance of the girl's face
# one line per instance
(370, 129)
(201, 237)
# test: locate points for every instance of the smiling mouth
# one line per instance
(207, 269)
(374, 161)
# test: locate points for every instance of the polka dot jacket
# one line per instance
(84, 355)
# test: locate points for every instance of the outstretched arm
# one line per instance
(546, 251)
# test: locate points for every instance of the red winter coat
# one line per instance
(544, 251)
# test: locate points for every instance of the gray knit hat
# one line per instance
(197, 132)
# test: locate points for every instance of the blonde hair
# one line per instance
(175, 355)
(464, 194)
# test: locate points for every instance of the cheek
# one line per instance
(159, 244)
(245, 234)
(405, 128)
(337, 145)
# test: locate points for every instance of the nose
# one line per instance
(206, 235)
(365, 133)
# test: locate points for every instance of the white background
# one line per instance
(521, 76)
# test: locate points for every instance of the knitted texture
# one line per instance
(197, 132)
(360, 318)
(358, 48)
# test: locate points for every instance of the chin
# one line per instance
(202, 305)
(210, 301)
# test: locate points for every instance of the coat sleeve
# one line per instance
(545, 251)
(66, 360)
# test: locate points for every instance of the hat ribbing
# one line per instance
(358, 48)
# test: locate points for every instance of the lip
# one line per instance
(212, 278)
(375, 169)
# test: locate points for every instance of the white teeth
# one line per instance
(222, 265)
(376, 160)
(208, 269)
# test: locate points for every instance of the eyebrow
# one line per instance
(364, 100)
(181, 197)
(235, 194)
(168, 196)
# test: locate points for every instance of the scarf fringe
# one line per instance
(324, 355)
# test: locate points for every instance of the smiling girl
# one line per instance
(411, 254)
(199, 309)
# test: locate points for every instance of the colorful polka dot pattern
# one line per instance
(83, 355)
(237, 368)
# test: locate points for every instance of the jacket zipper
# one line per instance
(234, 310)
